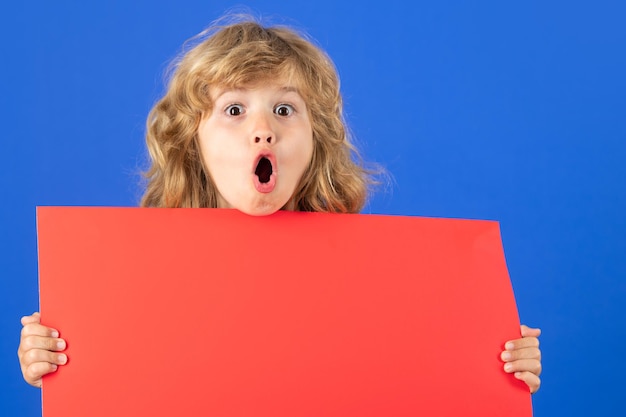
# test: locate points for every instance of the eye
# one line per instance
(284, 110)
(234, 110)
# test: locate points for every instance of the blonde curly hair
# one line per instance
(240, 54)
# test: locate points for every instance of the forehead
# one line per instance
(282, 82)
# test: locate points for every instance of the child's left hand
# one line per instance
(523, 358)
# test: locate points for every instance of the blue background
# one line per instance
(513, 111)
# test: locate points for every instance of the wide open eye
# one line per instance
(234, 110)
(284, 110)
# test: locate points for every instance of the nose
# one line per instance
(262, 131)
(262, 138)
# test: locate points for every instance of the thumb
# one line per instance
(33, 318)
(529, 331)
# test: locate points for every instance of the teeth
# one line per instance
(264, 170)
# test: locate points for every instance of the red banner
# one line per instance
(211, 312)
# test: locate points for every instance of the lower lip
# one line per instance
(265, 187)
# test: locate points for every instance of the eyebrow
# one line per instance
(289, 88)
(286, 89)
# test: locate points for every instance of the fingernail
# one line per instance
(61, 344)
(506, 356)
(62, 359)
(54, 367)
(509, 346)
(508, 367)
(54, 333)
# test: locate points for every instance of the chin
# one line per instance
(260, 209)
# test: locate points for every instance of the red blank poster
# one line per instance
(210, 312)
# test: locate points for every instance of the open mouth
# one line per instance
(263, 170)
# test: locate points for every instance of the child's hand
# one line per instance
(523, 358)
(38, 350)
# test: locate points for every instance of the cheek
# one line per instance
(219, 148)
(303, 146)
(307, 151)
(308, 157)
(223, 167)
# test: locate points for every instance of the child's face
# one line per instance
(256, 144)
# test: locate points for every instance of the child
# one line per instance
(252, 120)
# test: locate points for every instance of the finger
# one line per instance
(31, 342)
(529, 331)
(523, 365)
(33, 318)
(36, 371)
(530, 379)
(525, 342)
(39, 355)
(525, 353)
(36, 329)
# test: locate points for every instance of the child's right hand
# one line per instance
(38, 350)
